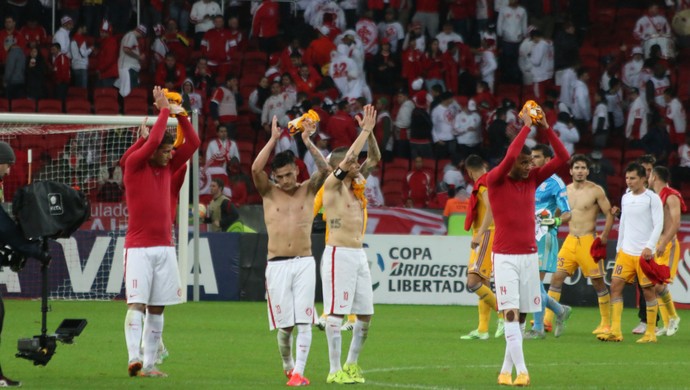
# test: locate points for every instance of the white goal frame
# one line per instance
(121, 121)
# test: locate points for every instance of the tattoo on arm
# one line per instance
(373, 157)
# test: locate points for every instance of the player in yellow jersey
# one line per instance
(668, 248)
(480, 219)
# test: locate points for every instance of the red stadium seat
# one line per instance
(136, 105)
(106, 106)
(78, 106)
(4, 105)
(77, 92)
(104, 92)
(23, 105)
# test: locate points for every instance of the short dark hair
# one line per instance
(474, 162)
(646, 159)
(218, 181)
(526, 150)
(637, 168)
(662, 173)
(168, 139)
(544, 149)
(282, 159)
(582, 71)
(580, 158)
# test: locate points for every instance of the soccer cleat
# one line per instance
(602, 329)
(505, 379)
(647, 338)
(321, 323)
(152, 372)
(500, 329)
(640, 328)
(547, 327)
(288, 373)
(673, 323)
(610, 337)
(134, 367)
(475, 335)
(534, 335)
(7, 382)
(340, 378)
(561, 319)
(521, 380)
(297, 380)
(162, 355)
(347, 326)
(355, 372)
(661, 331)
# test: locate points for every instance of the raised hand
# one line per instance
(525, 117)
(159, 98)
(143, 129)
(368, 122)
(275, 129)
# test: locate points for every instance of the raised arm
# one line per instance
(373, 156)
(141, 156)
(191, 142)
(561, 154)
(504, 167)
(605, 207)
(323, 169)
(263, 186)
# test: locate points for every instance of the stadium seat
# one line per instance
(78, 106)
(136, 106)
(246, 156)
(4, 105)
(49, 106)
(613, 154)
(245, 133)
(77, 92)
(393, 199)
(254, 57)
(245, 146)
(104, 92)
(139, 92)
(106, 106)
(23, 105)
(632, 155)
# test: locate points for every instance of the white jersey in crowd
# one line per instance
(582, 108)
(637, 111)
(124, 61)
(601, 111)
(660, 86)
(253, 102)
(511, 25)
(467, 128)
(79, 54)
(499, 4)
(420, 42)
(354, 51)
(482, 9)
(315, 11)
(200, 9)
(642, 220)
(276, 105)
(614, 103)
(347, 76)
(676, 114)
(309, 160)
(684, 155)
(568, 135)
(444, 39)
(393, 32)
(487, 67)
(404, 116)
(524, 60)
(159, 49)
(631, 73)
(650, 27)
(61, 36)
(541, 58)
(443, 120)
(453, 177)
(221, 150)
(566, 79)
(369, 35)
(373, 192)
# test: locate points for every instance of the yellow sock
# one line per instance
(605, 309)
(548, 317)
(652, 308)
(351, 318)
(616, 313)
(668, 305)
(664, 314)
(487, 302)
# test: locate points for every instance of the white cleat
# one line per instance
(661, 331)
(501, 329)
(347, 326)
(673, 326)
(640, 328)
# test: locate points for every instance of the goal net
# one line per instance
(82, 151)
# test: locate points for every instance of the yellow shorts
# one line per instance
(670, 257)
(480, 257)
(575, 253)
(628, 268)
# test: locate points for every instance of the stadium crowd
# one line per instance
(445, 76)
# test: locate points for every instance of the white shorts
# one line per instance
(346, 281)
(152, 277)
(290, 289)
(517, 282)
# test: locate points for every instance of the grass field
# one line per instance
(228, 346)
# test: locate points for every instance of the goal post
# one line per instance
(83, 151)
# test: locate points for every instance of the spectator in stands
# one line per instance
(415, 32)
(452, 175)
(631, 69)
(221, 213)
(107, 57)
(201, 16)
(321, 143)
(675, 117)
(487, 62)
(511, 28)
(111, 189)
(600, 169)
(259, 96)
(460, 69)
(655, 88)
(614, 103)
(443, 118)
(636, 124)
(657, 142)
(236, 41)
(224, 104)
(524, 52)
(287, 85)
(14, 36)
(178, 42)
(307, 80)
(36, 74)
(681, 172)
(391, 30)
(79, 52)
(651, 25)
(384, 128)
(498, 137)
(276, 105)
(61, 71)
(342, 128)
(346, 74)
(484, 98)
(240, 183)
(214, 44)
(567, 132)
(204, 82)
(178, 12)
(61, 36)
(369, 34)
(373, 189)
(220, 150)
(191, 100)
(402, 123)
(420, 129)
(582, 108)
(159, 48)
(427, 15)
(15, 71)
(385, 69)
(265, 25)
(418, 185)
(600, 121)
(467, 128)
(541, 58)
(170, 74)
(130, 59)
(318, 52)
(33, 32)
(433, 65)
(291, 57)
(447, 35)
(566, 46)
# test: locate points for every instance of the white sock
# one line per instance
(507, 361)
(303, 345)
(285, 349)
(523, 325)
(133, 331)
(153, 329)
(333, 336)
(514, 345)
(359, 336)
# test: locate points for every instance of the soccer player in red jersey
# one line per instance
(151, 276)
(516, 268)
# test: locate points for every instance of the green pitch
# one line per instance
(228, 346)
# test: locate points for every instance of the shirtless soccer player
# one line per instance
(291, 269)
(480, 220)
(587, 201)
(345, 273)
(152, 279)
(668, 248)
(512, 185)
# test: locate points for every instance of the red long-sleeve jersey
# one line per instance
(61, 69)
(266, 20)
(176, 75)
(107, 58)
